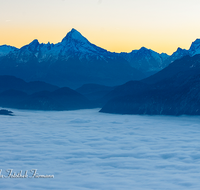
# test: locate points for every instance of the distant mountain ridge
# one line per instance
(6, 49)
(75, 61)
(37, 95)
(179, 53)
(146, 60)
(72, 44)
(11, 82)
(72, 62)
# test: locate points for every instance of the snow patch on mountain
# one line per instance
(74, 35)
(72, 45)
(145, 59)
(5, 50)
(179, 53)
(195, 47)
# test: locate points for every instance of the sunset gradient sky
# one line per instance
(116, 25)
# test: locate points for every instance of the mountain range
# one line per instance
(175, 90)
(75, 61)
(140, 82)
(72, 62)
(37, 95)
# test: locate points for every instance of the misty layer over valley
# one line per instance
(85, 149)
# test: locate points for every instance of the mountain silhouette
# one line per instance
(72, 62)
(173, 91)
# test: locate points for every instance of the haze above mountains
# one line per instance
(75, 61)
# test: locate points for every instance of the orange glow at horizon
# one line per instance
(110, 41)
(115, 25)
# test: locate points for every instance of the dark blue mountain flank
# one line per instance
(94, 91)
(181, 69)
(14, 83)
(173, 91)
(12, 98)
(16, 93)
(60, 99)
(128, 88)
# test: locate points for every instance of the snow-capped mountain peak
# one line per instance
(72, 45)
(195, 47)
(5, 50)
(143, 49)
(74, 35)
(33, 45)
(179, 49)
(179, 53)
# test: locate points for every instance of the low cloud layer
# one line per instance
(90, 150)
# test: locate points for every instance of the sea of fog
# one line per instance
(88, 150)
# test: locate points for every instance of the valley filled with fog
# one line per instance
(85, 149)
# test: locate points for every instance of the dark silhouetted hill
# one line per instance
(60, 99)
(173, 91)
(14, 83)
(94, 91)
